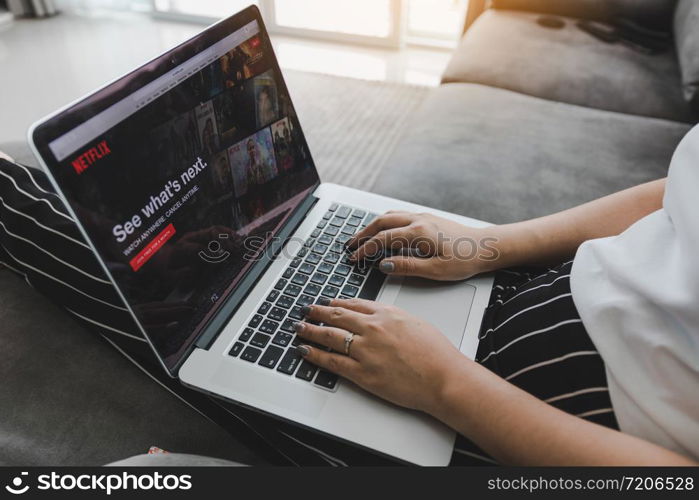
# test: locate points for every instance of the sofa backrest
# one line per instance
(687, 43)
(655, 14)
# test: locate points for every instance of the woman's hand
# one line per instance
(429, 246)
(393, 354)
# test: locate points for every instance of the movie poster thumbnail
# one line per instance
(252, 162)
(282, 132)
(208, 130)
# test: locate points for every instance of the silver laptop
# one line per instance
(191, 179)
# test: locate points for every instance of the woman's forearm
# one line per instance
(516, 428)
(551, 239)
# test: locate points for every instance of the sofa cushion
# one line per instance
(687, 40)
(68, 398)
(502, 157)
(508, 49)
(656, 14)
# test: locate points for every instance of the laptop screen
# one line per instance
(182, 172)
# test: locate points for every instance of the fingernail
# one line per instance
(387, 266)
(323, 301)
(306, 310)
(303, 350)
(353, 257)
(299, 326)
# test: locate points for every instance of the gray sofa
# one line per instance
(529, 121)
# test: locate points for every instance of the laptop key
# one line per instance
(331, 258)
(348, 230)
(296, 313)
(277, 314)
(312, 289)
(326, 379)
(260, 340)
(313, 258)
(264, 308)
(336, 280)
(256, 320)
(315, 233)
(304, 300)
(332, 231)
(247, 333)
(333, 207)
(337, 222)
(282, 339)
(343, 270)
(325, 239)
(359, 214)
(354, 221)
(251, 354)
(330, 291)
(302, 253)
(293, 290)
(322, 224)
(271, 356)
(296, 262)
(306, 371)
(290, 361)
(319, 278)
(320, 249)
(285, 301)
(273, 295)
(268, 326)
(327, 215)
(288, 273)
(355, 279)
(299, 279)
(344, 212)
(280, 284)
(350, 290)
(325, 268)
(307, 268)
(288, 325)
(235, 350)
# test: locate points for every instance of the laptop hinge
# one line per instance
(236, 298)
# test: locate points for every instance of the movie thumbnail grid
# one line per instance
(242, 127)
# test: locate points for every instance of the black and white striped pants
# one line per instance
(532, 335)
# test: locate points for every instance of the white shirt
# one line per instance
(638, 297)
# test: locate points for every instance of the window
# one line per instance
(379, 22)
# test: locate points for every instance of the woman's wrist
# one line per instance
(450, 380)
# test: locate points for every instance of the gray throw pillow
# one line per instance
(687, 41)
(654, 14)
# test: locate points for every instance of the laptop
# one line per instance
(192, 181)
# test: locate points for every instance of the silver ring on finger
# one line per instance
(348, 343)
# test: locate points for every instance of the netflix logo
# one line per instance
(89, 157)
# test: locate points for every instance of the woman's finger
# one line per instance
(412, 266)
(381, 223)
(339, 317)
(331, 337)
(375, 246)
(359, 305)
(342, 365)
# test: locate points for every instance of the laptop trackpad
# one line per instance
(444, 304)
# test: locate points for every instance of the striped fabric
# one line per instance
(532, 335)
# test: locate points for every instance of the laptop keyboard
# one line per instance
(321, 268)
